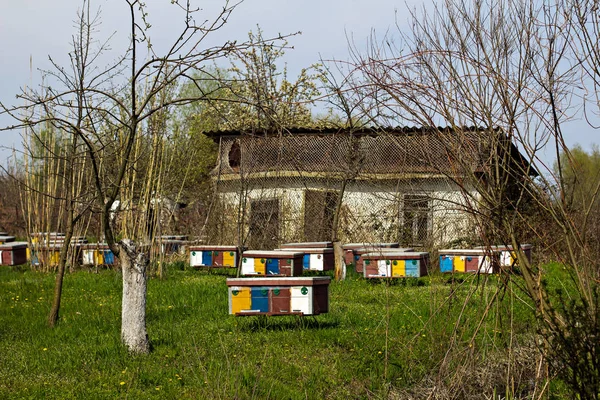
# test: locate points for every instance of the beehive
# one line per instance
(354, 251)
(47, 237)
(278, 296)
(6, 239)
(172, 244)
(213, 256)
(315, 258)
(507, 256)
(468, 260)
(13, 253)
(388, 264)
(272, 263)
(47, 256)
(97, 254)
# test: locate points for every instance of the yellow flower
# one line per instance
(122, 383)
(45, 348)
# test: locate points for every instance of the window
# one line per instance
(415, 219)
(235, 155)
(319, 208)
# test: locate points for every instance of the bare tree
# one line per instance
(117, 105)
(512, 69)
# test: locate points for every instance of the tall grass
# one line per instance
(378, 339)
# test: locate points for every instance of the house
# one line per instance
(409, 185)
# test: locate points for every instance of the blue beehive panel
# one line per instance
(207, 258)
(446, 264)
(260, 299)
(272, 266)
(412, 268)
(306, 261)
(109, 257)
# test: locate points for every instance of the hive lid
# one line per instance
(213, 247)
(349, 246)
(501, 247)
(408, 255)
(272, 253)
(383, 250)
(280, 281)
(309, 250)
(307, 245)
(457, 252)
(13, 245)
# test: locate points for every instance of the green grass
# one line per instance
(376, 338)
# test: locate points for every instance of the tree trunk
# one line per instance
(134, 262)
(338, 252)
(60, 273)
(340, 265)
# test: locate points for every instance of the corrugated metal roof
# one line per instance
(366, 151)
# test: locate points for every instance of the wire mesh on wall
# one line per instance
(387, 186)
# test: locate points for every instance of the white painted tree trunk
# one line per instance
(134, 262)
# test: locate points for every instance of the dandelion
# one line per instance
(379, 352)
(121, 383)
(45, 349)
(158, 388)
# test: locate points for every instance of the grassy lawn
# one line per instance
(378, 339)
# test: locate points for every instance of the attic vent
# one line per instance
(235, 155)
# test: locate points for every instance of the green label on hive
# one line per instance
(304, 290)
(276, 292)
(235, 292)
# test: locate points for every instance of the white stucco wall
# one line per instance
(371, 211)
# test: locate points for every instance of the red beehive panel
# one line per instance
(279, 301)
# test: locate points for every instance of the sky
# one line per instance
(31, 30)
